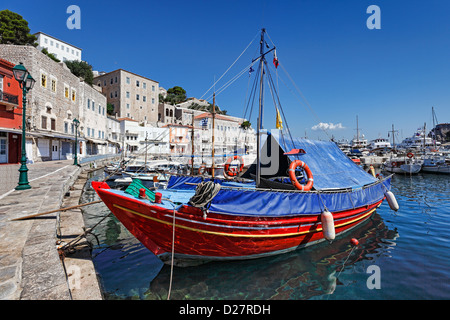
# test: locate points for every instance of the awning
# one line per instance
(96, 141)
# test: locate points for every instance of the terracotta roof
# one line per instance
(217, 116)
(127, 119)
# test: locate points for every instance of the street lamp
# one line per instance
(26, 83)
(76, 122)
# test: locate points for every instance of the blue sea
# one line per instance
(401, 255)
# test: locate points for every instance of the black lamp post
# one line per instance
(76, 122)
(26, 83)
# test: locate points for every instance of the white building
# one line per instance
(60, 49)
(93, 119)
(229, 137)
(114, 137)
(137, 137)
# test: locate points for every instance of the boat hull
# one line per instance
(193, 237)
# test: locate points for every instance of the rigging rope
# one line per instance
(230, 66)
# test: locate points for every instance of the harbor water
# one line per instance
(401, 255)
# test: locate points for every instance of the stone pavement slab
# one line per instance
(30, 267)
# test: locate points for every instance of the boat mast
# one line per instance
(213, 126)
(259, 124)
(192, 145)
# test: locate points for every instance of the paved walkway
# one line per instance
(30, 267)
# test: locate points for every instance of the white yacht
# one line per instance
(418, 140)
(379, 143)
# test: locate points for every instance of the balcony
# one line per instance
(9, 100)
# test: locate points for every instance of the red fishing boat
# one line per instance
(302, 193)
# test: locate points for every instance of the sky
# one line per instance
(333, 68)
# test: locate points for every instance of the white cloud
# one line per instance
(328, 126)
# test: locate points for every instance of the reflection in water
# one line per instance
(297, 275)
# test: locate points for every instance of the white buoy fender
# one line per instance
(391, 200)
(328, 225)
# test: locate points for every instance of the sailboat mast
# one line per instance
(259, 124)
(213, 127)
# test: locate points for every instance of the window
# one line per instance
(54, 85)
(62, 47)
(144, 98)
(74, 95)
(44, 122)
(51, 43)
(115, 79)
(89, 104)
(111, 80)
(93, 132)
(99, 109)
(153, 88)
(93, 105)
(128, 80)
(115, 94)
(53, 124)
(57, 45)
(144, 85)
(137, 83)
(88, 132)
(128, 106)
(128, 94)
(153, 100)
(45, 40)
(44, 80)
(66, 127)
(137, 97)
(66, 91)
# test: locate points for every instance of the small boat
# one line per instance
(198, 219)
(436, 163)
(403, 165)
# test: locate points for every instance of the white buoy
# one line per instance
(391, 200)
(328, 225)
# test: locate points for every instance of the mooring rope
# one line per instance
(173, 248)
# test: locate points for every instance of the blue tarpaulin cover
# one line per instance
(330, 167)
(339, 184)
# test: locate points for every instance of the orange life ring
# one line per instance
(202, 169)
(295, 164)
(410, 155)
(233, 171)
(394, 164)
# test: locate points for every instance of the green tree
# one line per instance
(175, 95)
(245, 125)
(110, 109)
(81, 69)
(14, 29)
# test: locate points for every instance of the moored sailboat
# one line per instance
(324, 195)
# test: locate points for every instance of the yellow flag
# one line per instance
(279, 123)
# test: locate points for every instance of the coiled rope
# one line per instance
(204, 193)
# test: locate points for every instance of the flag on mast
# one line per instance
(279, 122)
(275, 59)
